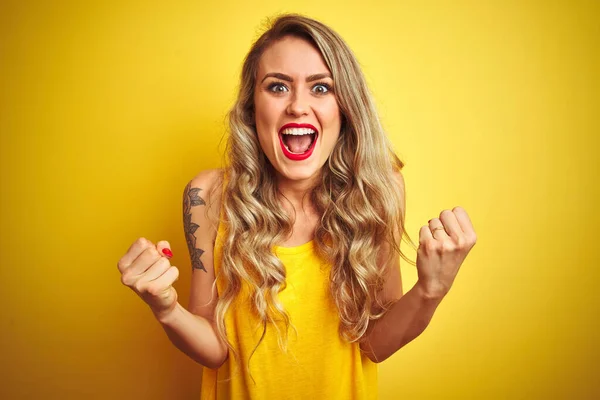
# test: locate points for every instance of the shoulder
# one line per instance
(205, 184)
(207, 178)
(398, 177)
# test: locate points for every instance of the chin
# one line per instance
(299, 172)
(302, 175)
(292, 169)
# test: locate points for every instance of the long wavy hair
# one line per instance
(357, 196)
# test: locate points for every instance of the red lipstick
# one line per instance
(307, 153)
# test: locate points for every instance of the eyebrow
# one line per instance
(288, 78)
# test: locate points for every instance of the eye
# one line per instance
(277, 87)
(321, 88)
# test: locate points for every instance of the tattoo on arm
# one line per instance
(191, 199)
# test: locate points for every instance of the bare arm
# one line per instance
(443, 246)
(405, 320)
(195, 336)
(194, 331)
(408, 316)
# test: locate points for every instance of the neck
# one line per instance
(296, 192)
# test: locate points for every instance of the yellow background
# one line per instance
(108, 109)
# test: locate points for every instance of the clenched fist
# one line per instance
(443, 246)
(146, 269)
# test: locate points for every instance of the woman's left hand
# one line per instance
(443, 246)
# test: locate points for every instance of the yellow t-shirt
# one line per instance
(319, 364)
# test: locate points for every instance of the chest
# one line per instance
(303, 231)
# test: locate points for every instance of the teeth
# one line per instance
(297, 131)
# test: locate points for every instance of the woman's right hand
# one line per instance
(148, 272)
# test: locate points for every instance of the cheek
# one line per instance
(265, 114)
(263, 129)
(331, 140)
(261, 120)
(264, 139)
(333, 121)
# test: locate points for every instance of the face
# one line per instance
(297, 116)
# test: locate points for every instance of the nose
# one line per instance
(298, 105)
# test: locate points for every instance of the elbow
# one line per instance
(371, 353)
(223, 359)
(377, 358)
(216, 362)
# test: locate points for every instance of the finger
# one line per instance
(164, 249)
(156, 270)
(167, 279)
(143, 262)
(134, 251)
(463, 220)
(451, 224)
(437, 229)
(425, 235)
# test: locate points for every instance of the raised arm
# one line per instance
(443, 246)
(193, 330)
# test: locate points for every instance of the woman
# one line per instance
(301, 230)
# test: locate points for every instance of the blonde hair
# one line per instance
(357, 197)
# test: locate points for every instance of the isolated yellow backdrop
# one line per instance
(109, 108)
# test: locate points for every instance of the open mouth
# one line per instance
(298, 140)
(298, 143)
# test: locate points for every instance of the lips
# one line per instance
(308, 152)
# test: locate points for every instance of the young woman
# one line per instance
(295, 245)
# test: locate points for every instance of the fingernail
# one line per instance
(167, 252)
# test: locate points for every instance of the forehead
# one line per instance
(291, 56)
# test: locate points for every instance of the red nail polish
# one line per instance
(167, 252)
